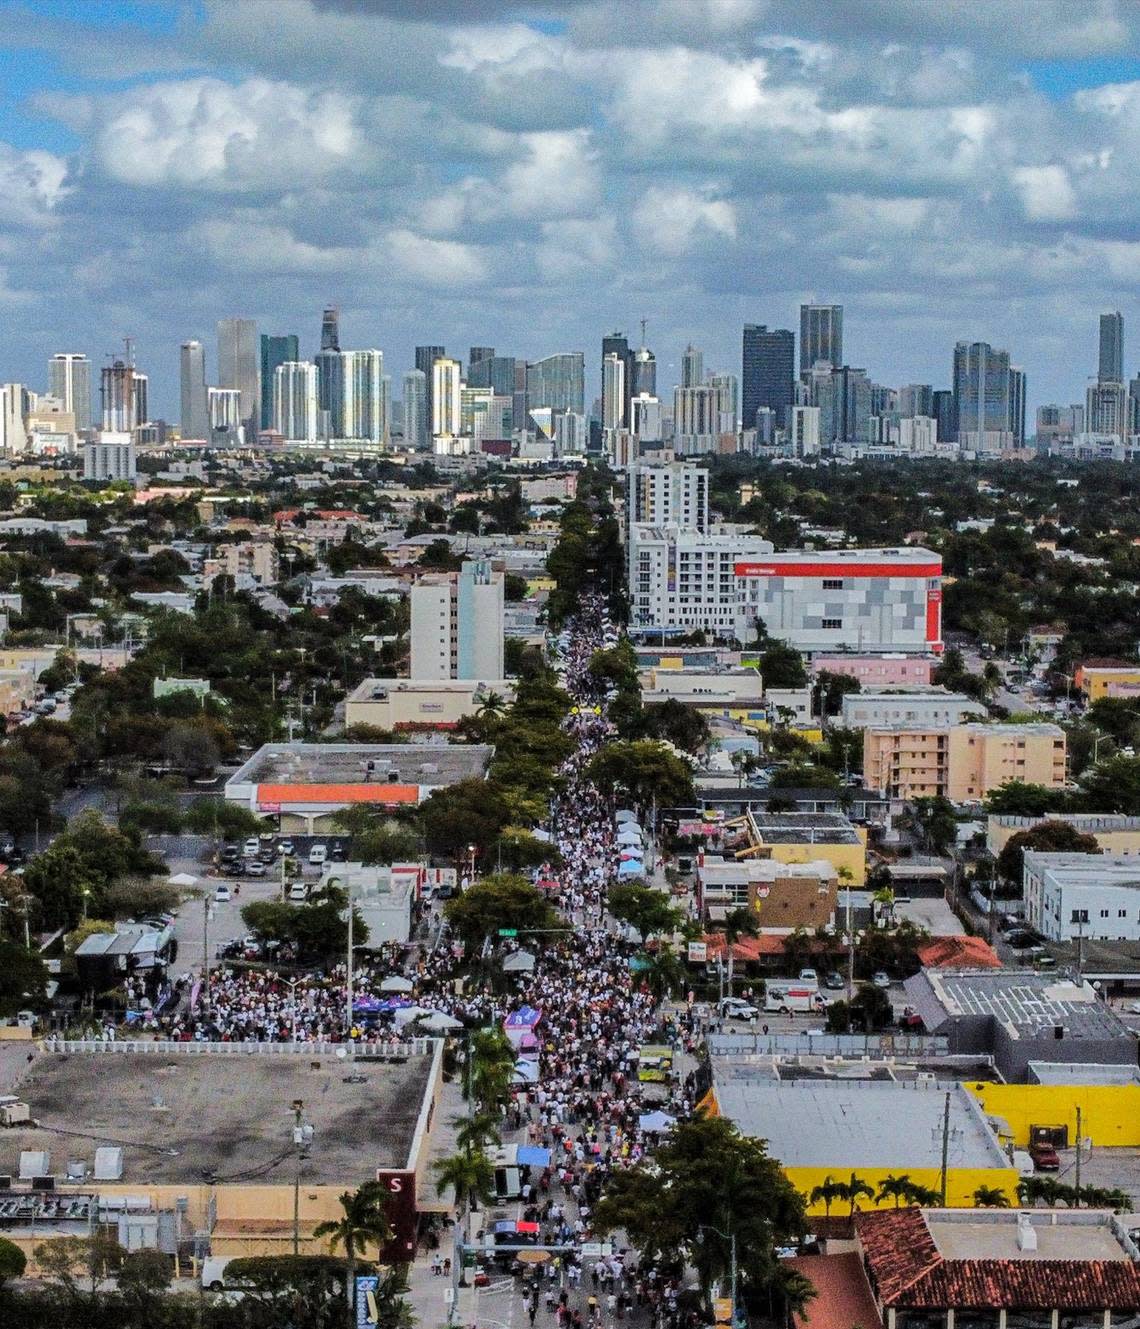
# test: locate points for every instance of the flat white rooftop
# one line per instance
(853, 1124)
(962, 1235)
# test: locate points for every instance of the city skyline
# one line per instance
(944, 177)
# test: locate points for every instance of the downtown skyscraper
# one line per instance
(193, 416)
(239, 364)
(821, 337)
(69, 380)
(767, 377)
(275, 350)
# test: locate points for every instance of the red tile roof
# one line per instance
(747, 948)
(843, 1300)
(957, 953)
(909, 1271)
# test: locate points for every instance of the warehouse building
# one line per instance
(199, 1140)
(821, 1129)
(1019, 1017)
(304, 784)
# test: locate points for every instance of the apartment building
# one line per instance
(1071, 895)
(961, 762)
(248, 558)
(908, 705)
(457, 624)
(683, 580)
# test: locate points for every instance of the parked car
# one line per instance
(286, 846)
(736, 1008)
(267, 854)
(251, 846)
(834, 981)
(338, 853)
(808, 976)
(1045, 1157)
(298, 892)
(255, 868)
(881, 978)
(222, 894)
(318, 855)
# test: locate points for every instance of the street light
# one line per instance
(730, 1237)
(86, 893)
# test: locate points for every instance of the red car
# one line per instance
(1045, 1157)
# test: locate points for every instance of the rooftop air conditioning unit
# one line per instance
(14, 1112)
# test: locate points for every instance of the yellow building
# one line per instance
(1110, 1113)
(401, 703)
(800, 837)
(823, 1130)
(961, 762)
(1114, 833)
(1096, 681)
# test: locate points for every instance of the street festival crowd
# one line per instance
(585, 1104)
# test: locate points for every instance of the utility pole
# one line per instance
(945, 1147)
(1077, 1178)
(206, 944)
(348, 984)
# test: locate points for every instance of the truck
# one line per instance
(790, 996)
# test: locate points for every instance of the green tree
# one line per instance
(683, 726)
(363, 1223)
(799, 775)
(853, 1190)
(663, 974)
(648, 911)
(895, 1188)
(23, 979)
(490, 1070)
(469, 812)
(1015, 798)
(991, 1197)
(935, 822)
(1113, 785)
(222, 819)
(830, 689)
(645, 770)
(13, 1261)
(1049, 837)
(469, 1175)
(704, 1181)
(782, 666)
(826, 1193)
(500, 901)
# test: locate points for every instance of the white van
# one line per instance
(318, 855)
(213, 1275)
(789, 997)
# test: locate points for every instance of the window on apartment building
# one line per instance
(831, 624)
(833, 583)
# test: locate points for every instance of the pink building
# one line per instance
(877, 669)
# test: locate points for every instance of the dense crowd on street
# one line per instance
(586, 1101)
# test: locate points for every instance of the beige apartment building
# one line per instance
(961, 762)
(251, 558)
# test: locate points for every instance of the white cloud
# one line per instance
(442, 263)
(672, 219)
(1046, 193)
(31, 185)
(207, 134)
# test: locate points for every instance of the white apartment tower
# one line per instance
(668, 494)
(613, 392)
(415, 410)
(457, 624)
(295, 400)
(110, 456)
(445, 398)
(69, 379)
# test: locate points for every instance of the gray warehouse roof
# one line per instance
(852, 1124)
(1026, 1003)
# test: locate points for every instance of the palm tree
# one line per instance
(474, 1134)
(926, 1196)
(490, 1069)
(826, 1193)
(991, 1197)
(895, 1188)
(739, 922)
(363, 1223)
(492, 706)
(663, 974)
(469, 1175)
(795, 1291)
(884, 902)
(852, 1190)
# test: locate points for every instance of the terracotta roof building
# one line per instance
(921, 1264)
(957, 953)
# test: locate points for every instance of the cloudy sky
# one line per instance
(531, 176)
